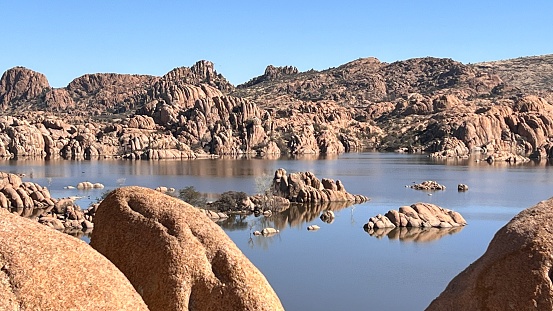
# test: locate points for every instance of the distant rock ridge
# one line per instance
(202, 72)
(271, 73)
(434, 105)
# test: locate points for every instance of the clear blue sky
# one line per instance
(66, 39)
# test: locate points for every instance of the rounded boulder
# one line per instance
(42, 269)
(175, 256)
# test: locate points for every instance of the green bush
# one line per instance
(193, 197)
(231, 201)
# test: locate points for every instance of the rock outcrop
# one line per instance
(108, 93)
(305, 187)
(21, 85)
(271, 73)
(33, 201)
(515, 271)
(423, 215)
(434, 105)
(175, 256)
(42, 269)
(428, 185)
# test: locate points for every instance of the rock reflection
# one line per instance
(298, 214)
(294, 216)
(78, 233)
(236, 222)
(413, 234)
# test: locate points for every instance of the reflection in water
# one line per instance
(298, 214)
(235, 222)
(414, 234)
(294, 216)
(83, 234)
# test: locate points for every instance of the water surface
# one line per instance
(340, 266)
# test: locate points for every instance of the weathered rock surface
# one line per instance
(428, 104)
(305, 187)
(271, 203)
(424, 215)
(33, 201)
(42, 269)
(108, 93)
(271, 73)
(20, 84)
(515, 271)
(428, 185)
(175, 256)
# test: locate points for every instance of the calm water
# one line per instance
(339, 267)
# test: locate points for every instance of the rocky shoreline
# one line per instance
(179, 245)
(33, 201)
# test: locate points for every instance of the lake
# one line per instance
(340, 266)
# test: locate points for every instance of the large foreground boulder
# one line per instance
(42, 269)
(175, 256)
(515, 271)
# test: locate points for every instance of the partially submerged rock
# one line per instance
(327, 216)
(508, 157)
(313, 228)
(424, 215)
(42, 269)
(462, 187)
(214, 215)
(271, 203)
(31, 200)
(515, 271)
(305, 187)
(86, 185)
(175, 256)
(269, 231)
(428, 185)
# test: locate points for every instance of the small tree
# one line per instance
(231, 201)
(263, 185)
(193, 197)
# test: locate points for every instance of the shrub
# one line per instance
(193, 197)
(231, 200)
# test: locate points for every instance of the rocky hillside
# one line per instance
(529, 74)
(434, 105)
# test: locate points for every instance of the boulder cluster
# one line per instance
(434, 105)
(305, 187)
(418, 215)
(30, 200)
(428, 185)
